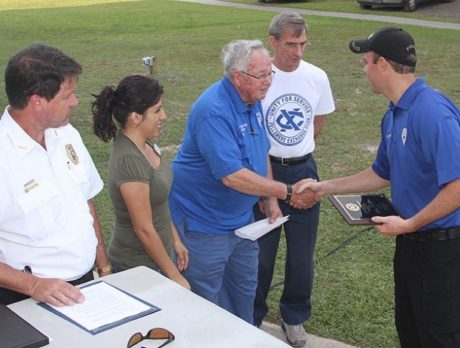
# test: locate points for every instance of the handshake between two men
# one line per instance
(305, 194)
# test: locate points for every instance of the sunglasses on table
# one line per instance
(157, 333)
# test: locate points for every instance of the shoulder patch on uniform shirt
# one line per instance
(288, 119)
(71, 154)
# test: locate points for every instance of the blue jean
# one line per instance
(222, 269)
(300, 232)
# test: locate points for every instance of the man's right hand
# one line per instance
(303, 197)
(56, 292)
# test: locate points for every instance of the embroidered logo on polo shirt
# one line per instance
(259, 118)
(288, 119)
(243, 127)
(404, 135)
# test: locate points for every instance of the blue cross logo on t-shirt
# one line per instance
(288, 119)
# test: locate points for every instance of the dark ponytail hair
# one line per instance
(134, 93)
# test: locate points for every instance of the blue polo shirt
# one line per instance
(223, 135)
(420, 150)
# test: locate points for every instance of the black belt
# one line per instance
(435, 234)
(290, 161)
(83, 279)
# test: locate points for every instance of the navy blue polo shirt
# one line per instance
(223, 135)
(419, 151)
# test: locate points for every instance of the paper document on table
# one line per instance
(105, 306)
(259, 228)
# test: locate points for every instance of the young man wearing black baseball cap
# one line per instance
(419, 159)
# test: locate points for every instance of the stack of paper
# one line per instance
(259, 228)
(105, 307)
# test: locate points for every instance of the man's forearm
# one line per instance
(102, 260)
(246, 181)
(364, 181)
(445, 202)
(16, 280)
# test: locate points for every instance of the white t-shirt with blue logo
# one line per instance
(292, 102)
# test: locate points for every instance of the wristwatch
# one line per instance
(289, 193)
(104, 269)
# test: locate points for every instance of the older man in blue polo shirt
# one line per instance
(419, 157)
(220, 172)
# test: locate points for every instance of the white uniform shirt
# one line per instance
(293, 100)
(45, 221)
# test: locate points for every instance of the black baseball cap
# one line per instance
(390, 42)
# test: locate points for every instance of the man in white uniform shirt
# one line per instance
(50, 236)
(294, 112)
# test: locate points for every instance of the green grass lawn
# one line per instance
(353, 300)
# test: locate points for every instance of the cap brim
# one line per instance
(359, 46)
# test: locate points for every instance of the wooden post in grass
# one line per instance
(150, 63)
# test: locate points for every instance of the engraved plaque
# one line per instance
(358, 209)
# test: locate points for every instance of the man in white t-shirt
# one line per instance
(50, 236)
(295, 110)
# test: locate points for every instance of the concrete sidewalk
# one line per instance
(312, 341)
(357, 16)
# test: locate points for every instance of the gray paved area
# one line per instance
(312, 341)
(367, 17)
